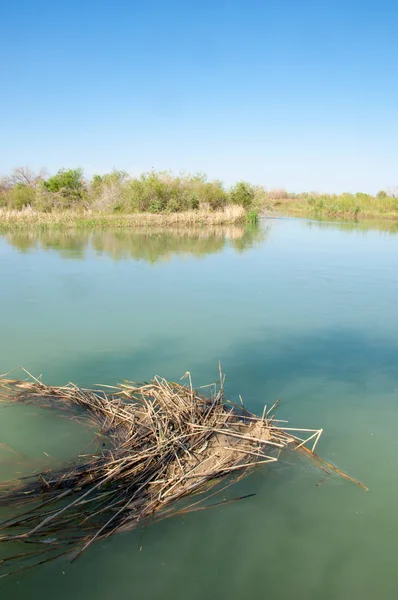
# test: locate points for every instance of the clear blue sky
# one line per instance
(284, 93)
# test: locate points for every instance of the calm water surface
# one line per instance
(302, 311)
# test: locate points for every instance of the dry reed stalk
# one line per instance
(162, 442)
(10, 219)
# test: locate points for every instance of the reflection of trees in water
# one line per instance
(383, 225)
(69, 243)
(150, 245)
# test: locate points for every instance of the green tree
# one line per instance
(66, 181)
(243, 194)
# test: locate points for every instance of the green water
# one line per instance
(302, 311)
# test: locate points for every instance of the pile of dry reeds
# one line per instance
(159, 443)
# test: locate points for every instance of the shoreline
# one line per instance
(324, 209)
(11, 220)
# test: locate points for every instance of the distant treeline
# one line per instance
(345, 206)
(161, 192)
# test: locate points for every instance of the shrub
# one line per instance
(146, 192)
(19, 197)
(243, 194)
(108, 192)
(45, 201)
(18, 190)
(68, 183)
(111, 178)
(211, 194)
(67, 188)
(158, 192)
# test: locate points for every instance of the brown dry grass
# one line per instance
(11, 219)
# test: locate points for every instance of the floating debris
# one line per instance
(159, 443)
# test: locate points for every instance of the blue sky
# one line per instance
(295, 94)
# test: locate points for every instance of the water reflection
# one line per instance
(150, 245)
(383, 226)
(309, 317)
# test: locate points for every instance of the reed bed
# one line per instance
(350, 207)
(20, 219)
(157, 444)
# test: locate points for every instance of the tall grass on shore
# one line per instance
(85, 219)
(344, 206)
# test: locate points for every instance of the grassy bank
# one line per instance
(22, 219)
(68, 199)
(344, 206)
(120, 200)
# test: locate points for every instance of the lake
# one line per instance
(294, 309)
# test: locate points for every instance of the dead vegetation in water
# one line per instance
(158, 444)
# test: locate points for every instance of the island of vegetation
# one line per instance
(68, 199)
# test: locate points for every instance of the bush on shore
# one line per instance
(117, 192)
